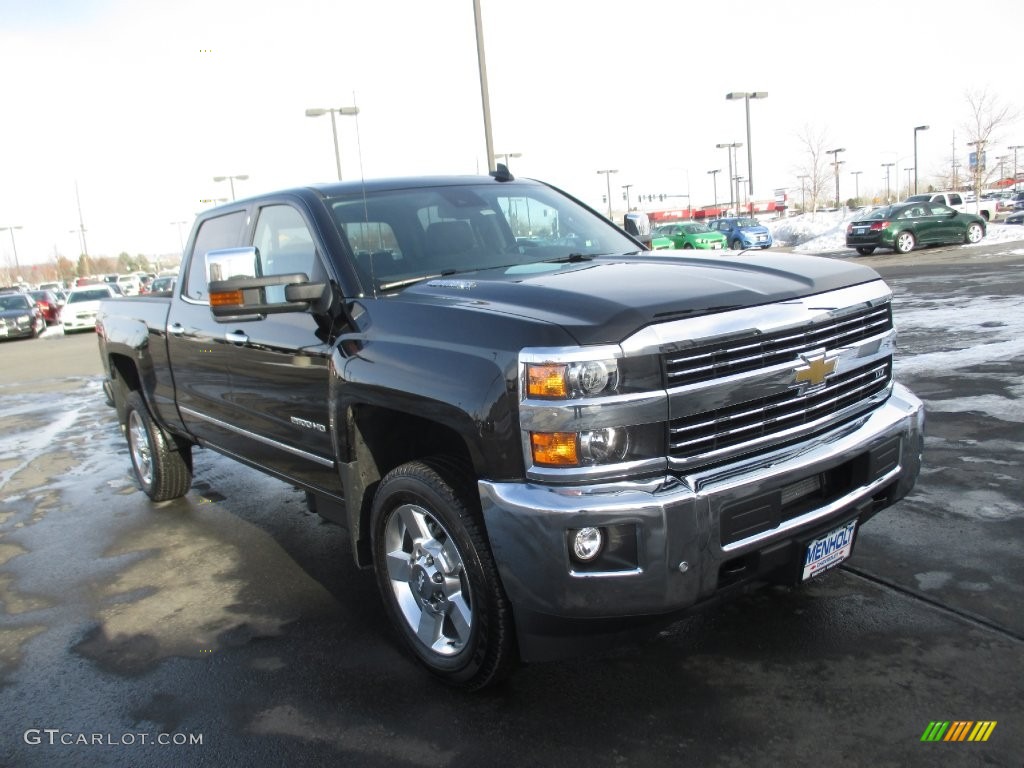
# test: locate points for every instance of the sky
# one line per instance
(140, 105)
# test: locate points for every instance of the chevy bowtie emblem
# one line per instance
(817, 367)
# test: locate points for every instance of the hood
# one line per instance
(605, 300)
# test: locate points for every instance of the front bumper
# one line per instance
(692, 540)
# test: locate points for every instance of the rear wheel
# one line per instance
(905, 242)
(437, 576)
(974, 233)
(865, 250)
(162, 467)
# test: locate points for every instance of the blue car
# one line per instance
(742, 232)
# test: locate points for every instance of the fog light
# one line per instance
(603, 446)
(587, 543)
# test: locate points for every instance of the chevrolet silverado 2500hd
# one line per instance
(534, 429)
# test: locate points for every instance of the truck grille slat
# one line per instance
(723, 357)
(694, 435)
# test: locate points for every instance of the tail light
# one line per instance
(877, 225)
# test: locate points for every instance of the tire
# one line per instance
(974, 233)
(687, 247)
(162, 467)
(736, 245)
(904, 242)
(437, 576)
(865, 250)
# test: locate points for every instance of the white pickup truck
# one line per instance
(987, 209)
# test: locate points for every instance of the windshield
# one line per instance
(696, 228)
(747, 223)
(15, 302)
(401, 236)
(93, 295)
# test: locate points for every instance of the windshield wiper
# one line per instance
(572, 258)
(413, 280)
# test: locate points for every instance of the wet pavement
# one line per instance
(233, 625)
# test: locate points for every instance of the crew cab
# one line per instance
(987, 209)
(536, 431)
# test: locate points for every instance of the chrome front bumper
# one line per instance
(693, 532)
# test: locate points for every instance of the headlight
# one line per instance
(571, 380)
(22, 319)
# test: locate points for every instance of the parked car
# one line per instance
(48, 304)
(79, 313)
(19, 316)
(163, 284)
(130, 285)
(692, 234)
(904, 226)
(743, 232)
(1015, 218)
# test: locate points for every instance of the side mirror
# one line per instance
(236, 290)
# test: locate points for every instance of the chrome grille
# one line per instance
(703, 433)
(725, 357)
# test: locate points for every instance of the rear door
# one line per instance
(199, 352)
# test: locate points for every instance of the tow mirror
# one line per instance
(237, 289)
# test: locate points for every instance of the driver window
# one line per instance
(284, 246)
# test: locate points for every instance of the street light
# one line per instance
(714, 182)
(730, 150)
(625, 195)
(916, 129)
(739, 200)
(231, 180)
(908, 178)
(836, 162)
(887, 166)
(1015, 147)
(746, 101)
(803, 193)
(180, 238)
(316, 112)
(507, 155)
(856, 185)
(17, 266)
(608, 183)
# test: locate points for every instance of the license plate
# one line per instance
(829, 551)
(860, 230)
(3, 331)
(716, 246)
(762, 238)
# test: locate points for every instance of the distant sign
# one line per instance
(972, 161)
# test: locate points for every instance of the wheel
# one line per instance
(687, 247)
(865, 250)
(437, 576)
(162, 466)
(974, 233)
(905, 242)
(736, 245)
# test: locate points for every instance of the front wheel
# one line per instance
(865, 250)
(437, 576)
(736, 245)
(162, 467)
(975, 233)
(905, 242)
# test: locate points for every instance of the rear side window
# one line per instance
(220, 232)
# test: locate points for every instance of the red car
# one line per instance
(48, 305)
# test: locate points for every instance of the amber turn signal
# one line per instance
(226, 299)
(555, 449)
(546, 380)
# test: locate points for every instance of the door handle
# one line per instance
(236, 337)
(176, 328)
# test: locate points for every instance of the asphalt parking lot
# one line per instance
(232, 624)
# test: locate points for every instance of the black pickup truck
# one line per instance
(536, 431)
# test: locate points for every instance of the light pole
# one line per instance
(909, 170)
(485, 99)
(1015, 148)
(625, 195)
(714, 182)
(856, 185)
(507, 155)
(739, 180)
(836, 162)
(887, 166)
(916, 129)
(608, 184)
(181, 240)
(733, 189)
(17, 266)
(803, 193)
(231, 180)
(1002, 165)
(317, 112)
(746, 101)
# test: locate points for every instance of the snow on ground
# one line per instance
(825, 232)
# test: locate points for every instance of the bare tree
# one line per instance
(814, 165)
(987, 116)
